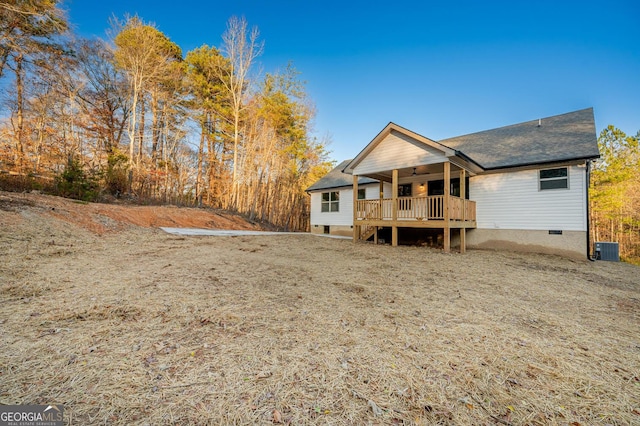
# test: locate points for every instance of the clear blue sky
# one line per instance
(439, 68)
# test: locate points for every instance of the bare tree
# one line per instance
(241, 48)
(102, 95)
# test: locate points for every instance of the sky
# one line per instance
(438, 68)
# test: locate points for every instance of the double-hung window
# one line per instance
(554, 178)
(330, 201)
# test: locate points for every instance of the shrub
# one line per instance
(73, 182)
(25, 183)
(115, 176)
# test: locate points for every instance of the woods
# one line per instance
(615, 192)
(136, 117)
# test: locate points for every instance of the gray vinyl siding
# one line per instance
(513, 201)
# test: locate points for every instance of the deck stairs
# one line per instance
(367, 232)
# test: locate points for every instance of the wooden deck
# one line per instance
(416, 209)
(445, 212)
(414, 212)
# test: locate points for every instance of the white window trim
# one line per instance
(541, 179)
(330, 202)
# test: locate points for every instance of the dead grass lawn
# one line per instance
(141, 327)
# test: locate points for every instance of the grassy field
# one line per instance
(134, 326)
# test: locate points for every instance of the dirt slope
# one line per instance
(101, 218)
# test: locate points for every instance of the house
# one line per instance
(521, 187)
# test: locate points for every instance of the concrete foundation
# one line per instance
(572, 244)
(340, 230)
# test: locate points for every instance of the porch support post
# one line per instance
(356, 227)
(463, 192)
(394, 208)
(447, 196)
(379, 212)
(380, 198)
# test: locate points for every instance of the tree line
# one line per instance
(133, 116)
(615, 192)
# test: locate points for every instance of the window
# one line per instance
(404, 190)
(435, 187)
(330, 201)
(554, 178)
(455, 187)
(362, 194)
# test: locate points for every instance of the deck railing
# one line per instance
(416, 208)
(457, 206)
(470, 210)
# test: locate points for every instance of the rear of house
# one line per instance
(522, 187)
(332, 201)
(541, 209)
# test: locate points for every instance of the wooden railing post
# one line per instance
(447, 197)
(394, 208)
(380, 197)
(463, 194)
(356, 227)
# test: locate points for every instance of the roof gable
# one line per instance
(564, 137)
(397, 147)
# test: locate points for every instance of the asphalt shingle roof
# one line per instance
(336, 179)
(562, 137)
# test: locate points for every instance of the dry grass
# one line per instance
(140, 327)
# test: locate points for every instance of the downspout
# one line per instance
(588, 177)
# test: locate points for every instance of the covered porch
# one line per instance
(440, 202)
(423, 184)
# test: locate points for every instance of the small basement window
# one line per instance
(554, 179)
(330, 202)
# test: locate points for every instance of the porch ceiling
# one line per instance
(407, 172)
